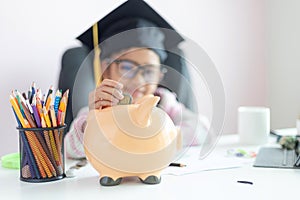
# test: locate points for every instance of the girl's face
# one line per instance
(137, 69)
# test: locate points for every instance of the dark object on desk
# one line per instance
(277, 158)
(177, 165)
(246, 182)
(288, 142)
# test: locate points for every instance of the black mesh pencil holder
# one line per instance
(42, 154)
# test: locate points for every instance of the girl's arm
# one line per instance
(74, 138)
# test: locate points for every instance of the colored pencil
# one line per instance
(52, 142)
(33, 91)
(49, 94)
(36, 113)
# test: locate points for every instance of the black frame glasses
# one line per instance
(129, 69)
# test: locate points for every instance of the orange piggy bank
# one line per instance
(131, 140)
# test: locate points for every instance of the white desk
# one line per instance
(217, 184)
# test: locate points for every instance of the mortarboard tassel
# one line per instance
(97, 51)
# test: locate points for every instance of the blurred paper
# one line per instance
(217, 160)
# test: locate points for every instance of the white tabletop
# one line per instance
(213, 183)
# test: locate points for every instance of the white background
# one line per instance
(253, 43)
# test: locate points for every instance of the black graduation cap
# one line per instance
(131, 9)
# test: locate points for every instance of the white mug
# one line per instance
(298, 126)
(253, 125)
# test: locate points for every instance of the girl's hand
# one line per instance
(109, 93)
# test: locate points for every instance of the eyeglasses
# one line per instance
(128, 69)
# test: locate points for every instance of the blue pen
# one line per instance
(57, 100)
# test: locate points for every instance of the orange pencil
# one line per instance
(39, 105)
(51, 161)
(48, 102)
(46, 163)
(38, 162)
(62, 112)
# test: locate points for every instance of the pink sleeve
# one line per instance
(193, 126)
(74, 138)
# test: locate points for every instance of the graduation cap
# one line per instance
(132, 9)
(132, 24)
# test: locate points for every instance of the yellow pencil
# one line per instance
(46, 136)
(18, 111)
(61, 109)
(56, 134)
(62, 113)
(52, 142)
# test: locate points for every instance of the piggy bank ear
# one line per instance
(142, 113)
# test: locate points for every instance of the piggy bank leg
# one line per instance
(151, 180)
(108, 181)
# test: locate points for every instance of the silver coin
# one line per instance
(126, 100)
